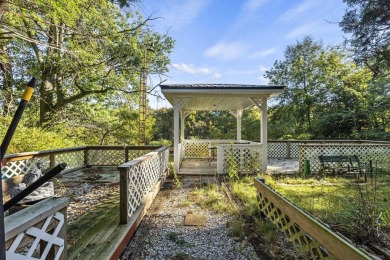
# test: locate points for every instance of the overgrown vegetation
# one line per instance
(359, 210)
(211, 197)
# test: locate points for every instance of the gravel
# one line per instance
(169, 238)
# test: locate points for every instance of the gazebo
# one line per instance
(219, 97)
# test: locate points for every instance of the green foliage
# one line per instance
(176, 179)
(327, 96)
(237, 228)
(368, 22)
(357, 209)
(81, 51)
(232, 164)
(245, 191)
(28, 139)
(267, 229)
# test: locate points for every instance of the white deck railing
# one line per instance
(138, 177)
(38, 232)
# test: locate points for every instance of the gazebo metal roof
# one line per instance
(227, 97)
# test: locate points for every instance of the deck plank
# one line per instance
(86, 233)
(198, 167)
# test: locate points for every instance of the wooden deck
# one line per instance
(201, 166)
(198, 167)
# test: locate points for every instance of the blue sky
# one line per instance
(237, 41)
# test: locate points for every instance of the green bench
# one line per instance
(343, 165)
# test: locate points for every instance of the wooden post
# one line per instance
(52, 160)
(288, 150)
(126, 154)
(124, 195)
(86, 151)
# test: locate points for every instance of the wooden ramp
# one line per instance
(197, 167)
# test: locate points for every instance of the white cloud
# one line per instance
(262, 69)
(216, 75)
(297, 11)
(253, 5)
(300, 30)
(227, 51)
(263, 53)
(181, 13)
(192, 69)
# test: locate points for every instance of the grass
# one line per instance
(357, 209)
(211, 197)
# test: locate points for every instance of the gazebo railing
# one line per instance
(245, 158)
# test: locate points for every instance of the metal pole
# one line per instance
(18, 114)
(35, 185)
(3, 149)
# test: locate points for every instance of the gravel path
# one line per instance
(168, 238)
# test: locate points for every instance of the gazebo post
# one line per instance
(176, 135)
(182, 118)
(183, 115)
(178, 104)
(263, 130)
(239, 120)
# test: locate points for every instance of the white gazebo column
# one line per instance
(263, 130)
(183, 116)
(261, 104)
(176, 137)
(178, 105)
(239, 120)
(238, 115)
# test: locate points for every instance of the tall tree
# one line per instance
(369, 23)
(326, 96)
(81, 48)
(299, 72)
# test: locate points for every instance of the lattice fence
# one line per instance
(38, 232)
(15, 168)
(73, 159)
(106, 157)
(277, 149)
(311, 238)
(19, 164)
(140, 176)
(246, 157)
(200, 148)
(378, 153)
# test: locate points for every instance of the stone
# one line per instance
(194, 219)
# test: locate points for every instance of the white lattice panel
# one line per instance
(200, 148)
(15, 168)
(72, 159)
(376, 152)
(246, 157)
(106, 157)
(143, 176)
(40, 233)
(277, 149)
